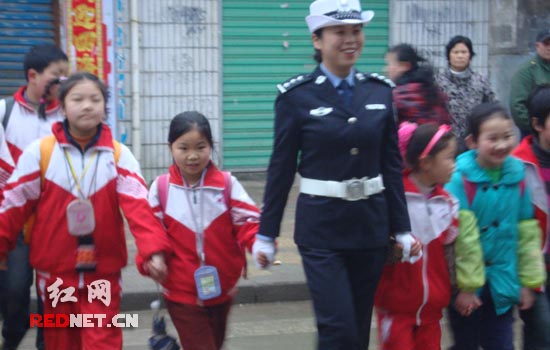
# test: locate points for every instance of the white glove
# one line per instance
(267, 248)
(406, 240)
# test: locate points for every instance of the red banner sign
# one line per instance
(86, 37)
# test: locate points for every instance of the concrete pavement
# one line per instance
(265, 326)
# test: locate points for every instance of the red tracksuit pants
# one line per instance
(401, 332)
(52, 291)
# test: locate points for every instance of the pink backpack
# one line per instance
(164, 182)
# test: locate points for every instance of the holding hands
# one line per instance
(408, 248)
(526, 298)
(156, 267)
(467, 302)
(263, 252)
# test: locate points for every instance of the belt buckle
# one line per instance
(355, 189)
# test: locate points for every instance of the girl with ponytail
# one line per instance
(416, 95)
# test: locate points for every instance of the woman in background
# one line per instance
(464, 87)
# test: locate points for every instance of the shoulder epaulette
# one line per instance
(293, 82)
(375, 76)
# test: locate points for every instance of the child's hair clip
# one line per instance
(442, 130)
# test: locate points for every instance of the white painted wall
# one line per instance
(179, 68)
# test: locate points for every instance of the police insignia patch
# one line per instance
(382, 78)
(293, 82)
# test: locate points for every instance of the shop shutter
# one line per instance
(22, 24)
(264, 43)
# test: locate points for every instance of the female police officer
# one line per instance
(351, 187)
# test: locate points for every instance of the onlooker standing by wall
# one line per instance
(534, 72)
(464, 87)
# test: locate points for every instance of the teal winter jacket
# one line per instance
(501, 210)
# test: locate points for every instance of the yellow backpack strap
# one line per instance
(118, 149)
(46, 149)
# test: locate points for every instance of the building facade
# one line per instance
(224, 58)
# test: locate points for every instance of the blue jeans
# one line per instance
(536, 331)
(15, 284)
(483, 327)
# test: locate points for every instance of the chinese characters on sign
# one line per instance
(98, 289)
(86, 37)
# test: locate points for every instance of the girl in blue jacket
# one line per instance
(499, 267)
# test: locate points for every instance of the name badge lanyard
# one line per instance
(81, 218)
(206, 277)
(199, 231)
(77, 179)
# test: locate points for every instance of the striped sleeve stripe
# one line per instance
(17, 196)
(131, 186)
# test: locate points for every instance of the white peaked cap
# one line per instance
(326, 13)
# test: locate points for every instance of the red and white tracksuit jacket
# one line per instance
(109, 186)
(6, 161)
(24, 125)
(421, 290)
(537, 187)
(227, 233)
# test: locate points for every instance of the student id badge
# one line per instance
(208, 282)
(80, 217)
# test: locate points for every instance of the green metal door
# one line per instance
(264, 43)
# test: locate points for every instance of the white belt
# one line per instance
(350, 190)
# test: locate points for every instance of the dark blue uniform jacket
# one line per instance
(335, 142)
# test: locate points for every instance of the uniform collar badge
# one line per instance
(320, 79)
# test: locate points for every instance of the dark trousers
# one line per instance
(39, 331)
(342, 285)
(536, 329)
(200, 327)
(15, 284)
(483, 327)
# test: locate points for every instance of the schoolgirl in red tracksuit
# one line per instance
(411, 295)
(198, 198)
(415, 294)
(85, 166)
